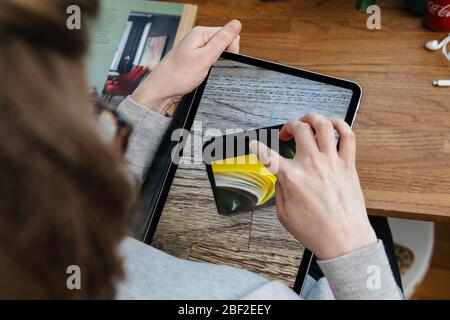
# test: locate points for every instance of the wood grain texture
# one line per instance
(403, 126)
(239, 96)
(276, 265)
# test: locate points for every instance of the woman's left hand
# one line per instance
(186, 65)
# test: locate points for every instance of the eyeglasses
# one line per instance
(112, 126)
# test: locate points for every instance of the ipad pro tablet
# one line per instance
(239, 94)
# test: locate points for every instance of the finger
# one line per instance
(234, 46)
(347, 141)
(202, 35)
(279, 201)
(222, 39)
(305, 142)
(269, 158)
(324, 130)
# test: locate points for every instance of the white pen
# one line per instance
(441, 83)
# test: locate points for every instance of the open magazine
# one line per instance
(128, 40)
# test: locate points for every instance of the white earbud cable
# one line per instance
(435, 45)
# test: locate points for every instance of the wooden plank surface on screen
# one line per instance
(239, 96)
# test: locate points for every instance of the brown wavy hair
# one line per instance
(63, 193)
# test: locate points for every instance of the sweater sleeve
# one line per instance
(364, 274)
(149, 128)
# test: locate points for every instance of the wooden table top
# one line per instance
(403, 124)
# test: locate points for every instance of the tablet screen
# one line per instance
(235, 97)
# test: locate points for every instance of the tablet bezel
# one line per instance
(155, 188)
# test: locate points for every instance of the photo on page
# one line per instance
(146, 38)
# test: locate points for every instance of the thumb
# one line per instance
(222, 39)
(271, 159)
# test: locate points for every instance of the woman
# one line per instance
(64, 192)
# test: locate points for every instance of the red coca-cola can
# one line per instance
(437, 15)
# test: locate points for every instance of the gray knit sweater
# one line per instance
(152, 274)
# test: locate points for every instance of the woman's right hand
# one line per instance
(318, 195)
